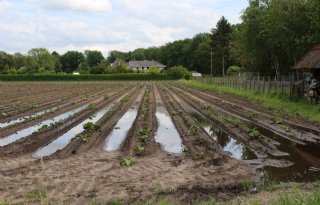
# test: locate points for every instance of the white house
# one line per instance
(144, 65)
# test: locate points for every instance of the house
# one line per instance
(306, 69)
(144, 65)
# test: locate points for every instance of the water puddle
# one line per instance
(167, 135)
(120, 131)
(45, 124)
(65, 139)
(227, 143)
(306, 167)
(22, 119)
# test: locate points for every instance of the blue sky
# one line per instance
(105, 25)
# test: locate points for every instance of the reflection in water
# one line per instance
(167, 134)
(119, 133)
(227, 143)
(28, 131)
(65, 139)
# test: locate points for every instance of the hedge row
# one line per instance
(68, 77)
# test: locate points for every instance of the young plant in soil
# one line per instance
(138, 149)
(254, 133)
(144, 134)
(84, 138)
(250, 114)
(195, 128)
(91, 126)
(201, 155)
(43, 128)
(92, 106)
(127, 161)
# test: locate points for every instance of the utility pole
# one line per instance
(211, 60)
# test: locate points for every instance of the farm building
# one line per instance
(144, 65)
(308, 68)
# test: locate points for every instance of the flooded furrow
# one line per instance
(41, 126)
(167, 135)
(120, 131)
(65, 139)
(29, 117)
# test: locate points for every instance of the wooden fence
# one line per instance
(260, 84)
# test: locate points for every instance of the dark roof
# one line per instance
(145, 64)
(311, 60)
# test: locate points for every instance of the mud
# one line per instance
(218, 153)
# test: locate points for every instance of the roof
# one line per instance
(311, 60)
(145, 64)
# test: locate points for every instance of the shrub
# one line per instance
(177, 72)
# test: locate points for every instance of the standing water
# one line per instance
(119, 133)
(167, 134)
(47, 123)
(65, 139)
(22, 119)
(227, 143)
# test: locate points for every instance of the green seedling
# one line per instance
(277, 120)
(92, 106)
(201, 155)
(195, 128)
(127, 161)
(138, 149)
(91, 126)
(84, 138)
(3, 114)
(43, 128)
(16, 104)
(250, 114)
(206, 107)
(254, 133)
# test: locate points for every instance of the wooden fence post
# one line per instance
(264, 84)
(275, 84)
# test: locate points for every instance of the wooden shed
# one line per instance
(307, 68)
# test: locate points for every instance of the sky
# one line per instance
(105, 25)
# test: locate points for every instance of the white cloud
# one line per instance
(78, 5)
(127, 25)
(5, 5)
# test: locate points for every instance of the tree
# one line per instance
(5, 61)
(71, 60)
(93, 57)
(43, 58)
(221, 41)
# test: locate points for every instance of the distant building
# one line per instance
(144, 65)
(196, 74)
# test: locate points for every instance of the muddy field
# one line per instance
(77, 143)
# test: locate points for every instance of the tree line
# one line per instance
(272, 37)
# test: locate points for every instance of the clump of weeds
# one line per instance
(201, 155)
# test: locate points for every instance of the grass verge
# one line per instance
(272, 101)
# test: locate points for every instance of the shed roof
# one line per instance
(145, 64)
(311, 60)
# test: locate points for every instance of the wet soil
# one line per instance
(217, 155)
